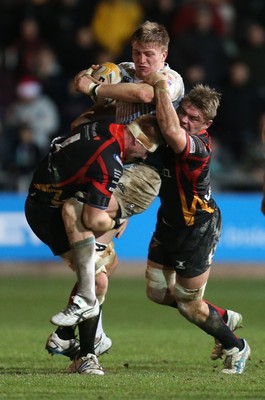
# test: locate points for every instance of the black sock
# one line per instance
(65, 332)
(87, 332)
(215, 326)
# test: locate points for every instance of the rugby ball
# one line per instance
(107, 73)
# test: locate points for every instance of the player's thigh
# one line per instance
(47, 224)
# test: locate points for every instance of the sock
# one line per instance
(87, 331)
(99, 327)
(216, 327)
(65, 332)
(221, 311)
(84, 257)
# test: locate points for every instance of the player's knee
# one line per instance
(101, 287)
(156, 285)
(189, 300)
(72, 212)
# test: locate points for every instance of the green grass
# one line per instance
(156, 354)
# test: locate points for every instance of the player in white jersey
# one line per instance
(126, 111)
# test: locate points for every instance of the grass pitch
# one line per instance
(156, 354)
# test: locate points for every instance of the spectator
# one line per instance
(68, 16)
(50, 74)
(239, 112)
(185, 19)
(36, 110)
(86, 50)
(74, 104)
(21, 53)
(200, 45)
(26, 155)
(252, 52)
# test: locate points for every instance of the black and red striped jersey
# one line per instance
(185, 192)
(90, 160)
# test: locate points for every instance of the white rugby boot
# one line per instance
(86, 365)
(65, 347)
(71, 347)
(235, 360)
(75, 313)
(102, 345)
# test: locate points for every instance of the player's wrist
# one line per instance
(161, 86)
(92, 89)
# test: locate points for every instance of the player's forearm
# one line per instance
(99, 222)
(129, 92)
(167, 117)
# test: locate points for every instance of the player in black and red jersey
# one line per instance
(189, 220)
(67, 205)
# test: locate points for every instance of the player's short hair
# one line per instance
(151, 33)
(205, 99)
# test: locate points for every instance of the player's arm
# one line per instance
(96, 219)
(130, 92)
(167, 117)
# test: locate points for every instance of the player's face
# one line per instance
(136, 150)
(147, 58)
(192, 119)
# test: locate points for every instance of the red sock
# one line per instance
(221, 311)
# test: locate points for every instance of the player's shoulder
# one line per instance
(172, 73)
(175, 84)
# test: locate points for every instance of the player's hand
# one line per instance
(88, 71)
(155, 77)
(84, 83)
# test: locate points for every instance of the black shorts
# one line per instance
(47, 224)
(187, 250)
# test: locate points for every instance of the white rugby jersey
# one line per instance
(128, 112)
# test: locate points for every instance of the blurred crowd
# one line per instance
(44, 43)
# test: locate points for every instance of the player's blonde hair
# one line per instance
(205, 99)
(151, 33)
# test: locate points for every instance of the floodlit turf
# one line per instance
(156, 354)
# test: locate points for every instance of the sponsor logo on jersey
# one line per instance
(117, 158)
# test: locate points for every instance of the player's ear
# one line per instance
(208, 123)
